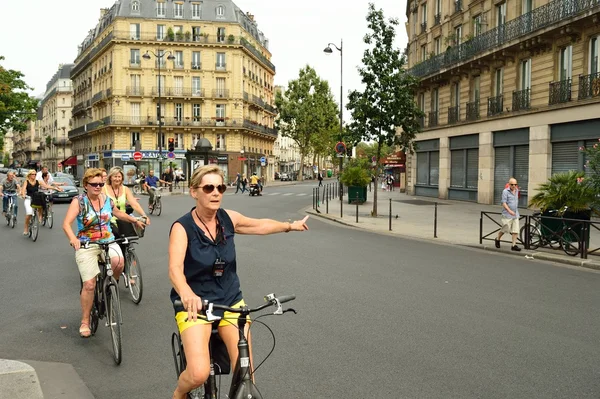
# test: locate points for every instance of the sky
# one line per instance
(38, 35)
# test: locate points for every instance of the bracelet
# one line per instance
(289, 227)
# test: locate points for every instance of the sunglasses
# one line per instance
(209, 188)
(513, 184)
(96, 185)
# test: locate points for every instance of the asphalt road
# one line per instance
(378, 316)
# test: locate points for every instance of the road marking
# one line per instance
(286, 194)
(274, 193)
(301, 194)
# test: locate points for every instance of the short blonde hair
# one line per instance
(115, 170)
(31, 172)
(203, 171)
(90, 174)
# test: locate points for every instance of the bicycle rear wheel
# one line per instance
(158, 207)
(50, 219)
(8, 217)
(134, 274)
(569, 242)
(136, 189)
(114, 322)
(35, 226)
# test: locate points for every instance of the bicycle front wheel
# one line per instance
(158, 207)
(114, 322)
(569, 242)
(35, 226)
(13, 221)
(50, 219)
(134, 274)
(136, 189)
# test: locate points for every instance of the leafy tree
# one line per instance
(6, 159)
(307, 111)
(387, 102)
(16, 106)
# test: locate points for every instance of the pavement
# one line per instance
(456, 223)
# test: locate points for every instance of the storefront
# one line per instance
(566, 140)
(428, 168)
(395, 164)
(150, 160)
(464, 167)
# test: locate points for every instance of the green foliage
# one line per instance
(307, 112)
(568, 189)
(356, 173)
(6, 159)
(170, 34)
(16, 106)
(592, 165)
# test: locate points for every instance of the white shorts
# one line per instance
(28, 208)
(87, 259)
(510, 225)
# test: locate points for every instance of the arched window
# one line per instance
(135, 6)
(220, 12)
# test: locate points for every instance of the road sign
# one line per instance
(340, 148)
(137, 156)
(263, 159)
(171, 155)
(125, 157)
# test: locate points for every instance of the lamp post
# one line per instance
(328, 50)
(159, 58)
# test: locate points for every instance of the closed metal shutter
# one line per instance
(565, 156)
(502, 171)
(472, 167)
(422, 167)
(457, 168)
(521, 172)
(434, 168)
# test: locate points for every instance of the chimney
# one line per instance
(103, 12)
(250, 16)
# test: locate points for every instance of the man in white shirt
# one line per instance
(50, 181)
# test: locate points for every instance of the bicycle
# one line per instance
(11, 218)
(541, 235)
(106, 299)
(156, 205)
(34, 226)
(47, 212)
(132, 272)
(242, 385)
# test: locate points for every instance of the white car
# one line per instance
(284, 177)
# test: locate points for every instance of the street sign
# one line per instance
(340, 148)
(137, 156)
(263, 159)
(171, 155)
(125, 157)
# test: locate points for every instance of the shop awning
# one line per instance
(71, 161)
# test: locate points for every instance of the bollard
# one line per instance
(327, 202)
(318, 197)
(313, 197)
(390, 221)
(356, 207)
(435, 222)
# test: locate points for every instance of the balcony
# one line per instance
(589, 86)
(100, 96)
(135, 64)
(424, 27)
(437, 19)
(177, 65)
(560, 92)
(220, 93)
(433, 118)
(197, 93)
(453, 114)
(254, 126)
(421, 121)
(546, 15)
(473, 110)
(172, 92)
(257, 53)
(458, 6)
(521, 100)
(151, 36)
(196, 65)
(134, 91)
(220, 66)
(495, 105)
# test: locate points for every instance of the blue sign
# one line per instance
(125, 157)
(263, 159)
(171, 155)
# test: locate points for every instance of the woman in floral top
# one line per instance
(93, 212)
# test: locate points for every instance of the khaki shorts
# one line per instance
(510, 225)
(87, 259)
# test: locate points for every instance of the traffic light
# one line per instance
(171, 144)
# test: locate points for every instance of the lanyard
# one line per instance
(207, 229)
(97, 215)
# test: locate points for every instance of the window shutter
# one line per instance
(502, 171)
(565, 156)
(457, 170)
(472, 167)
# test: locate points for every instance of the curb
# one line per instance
(534, 255)
(19, 381)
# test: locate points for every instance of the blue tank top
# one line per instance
(200, 256)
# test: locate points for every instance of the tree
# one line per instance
(16, 105)
(387, 102)
(306, 111)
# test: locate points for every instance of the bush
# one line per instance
(567, 189)
(356, 174)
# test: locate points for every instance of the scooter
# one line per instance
(254, 190)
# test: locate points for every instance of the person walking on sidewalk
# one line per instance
(510, 214)
(320, 179)
(238, 183)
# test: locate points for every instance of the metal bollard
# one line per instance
(356, 207)
(327, 202)
(318, 197)
(435, 222)
(390, 221)
(313, 197)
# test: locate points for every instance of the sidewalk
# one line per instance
(183, 188)
(457, 223)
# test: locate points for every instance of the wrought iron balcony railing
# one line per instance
(248, 124)
(542, 17)
(433, 118)
(423, 27)
(521, 100)
(589, 86)
(560, 92)
(473, 110)
(457, 6)
(220, 93)
(196, 65)
(134, 91)
(172, 91)
(453, 114)
(437, 19)
(257, 53)
(495, 105)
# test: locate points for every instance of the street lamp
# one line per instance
(328, 50)
(159, 56)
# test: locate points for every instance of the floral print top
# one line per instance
(94, 225)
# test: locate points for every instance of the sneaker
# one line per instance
(515, 248)
(497, 242)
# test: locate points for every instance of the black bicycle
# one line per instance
(106, 299)
(47, 212)
(242, 384)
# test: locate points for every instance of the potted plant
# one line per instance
(356, 177)
(204, 35)
(179, 35)
(170, 34)
(188, 35)
(230, 39)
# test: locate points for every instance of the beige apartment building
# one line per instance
(26, 146)
(508, 88)
(55, 110)
(206, 64)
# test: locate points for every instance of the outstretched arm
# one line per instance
(246, 225)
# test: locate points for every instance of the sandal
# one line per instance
(84, 330)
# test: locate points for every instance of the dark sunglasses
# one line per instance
(513, 184)
(209, 188)
(96, 185)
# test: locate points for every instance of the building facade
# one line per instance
(26, 147)
(9, 147)
(508, 88)
(55, 110)
(201, 69)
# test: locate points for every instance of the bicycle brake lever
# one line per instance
(209, 313)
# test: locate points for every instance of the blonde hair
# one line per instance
(31, 172)
(203, 171)
(90, 174)
(115, 170)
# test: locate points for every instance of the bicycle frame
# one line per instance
(242, 386)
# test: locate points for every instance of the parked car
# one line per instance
(284, 177)
(69, 190)
(68, 176)
(21, 172)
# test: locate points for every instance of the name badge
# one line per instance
(218, 268)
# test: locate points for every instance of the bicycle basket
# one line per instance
(129, 230)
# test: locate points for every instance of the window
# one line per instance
(437, 45)
(220, 112)
(160, 82)
(178, 112)
(458, 35)
(220, 35)
(455, 94)
(135, 113)
(196, 60)
(475, 88)
(134, 57)
(63, 112)
(499, 82)
(196, 33)
(160, 9)
(525, 71)
(220, 12)
(565, 64)
(220, 61)
(134, 30)
(477, 25)
(423, 52)
(178, 62)
(196, 88)
(196, 11)
(178, 10)
(464, 168)
(438, 7)
(135, 137)
(178, 141)
(527, 6)
(594, 65)
(435, 99)
(424, 14)
(196, 112)
(428, 163)
(500, 14)
(220, 85)
(178, 85)
(220, 145)
(135, 6)
(195, 138)
(160, 32)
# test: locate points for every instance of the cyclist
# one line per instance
(151, 184)
(93, 212)
(121, 195)
(202, 266)
(50, 180)
(10, 185)
(33, 197)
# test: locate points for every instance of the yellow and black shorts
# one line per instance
(229, 318)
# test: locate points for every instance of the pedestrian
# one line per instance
(237, 182)
(390, 182)
(320, 179)
(244, 183)
(510, 214)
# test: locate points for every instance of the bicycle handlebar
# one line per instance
(86, 244)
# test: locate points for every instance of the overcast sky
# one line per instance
(38, 35)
